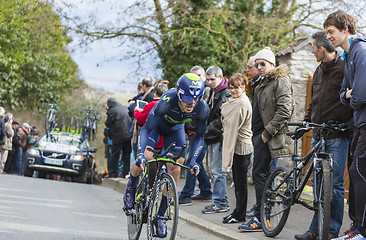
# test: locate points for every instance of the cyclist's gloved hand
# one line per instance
(141, 160)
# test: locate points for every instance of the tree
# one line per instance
(184, 33)
(34, 63)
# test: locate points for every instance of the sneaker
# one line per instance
(253, 225)
(307, 236)
(129, 197)
(230, 219)
(161, 228)
(215, 209)
(202, 198)
(185, 200)
(351, 235)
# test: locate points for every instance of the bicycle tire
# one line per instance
(165, 186)
(325, 194)
(276, 204)
(136, 219)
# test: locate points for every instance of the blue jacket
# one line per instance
(355, 79)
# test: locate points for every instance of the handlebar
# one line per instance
(328, 125)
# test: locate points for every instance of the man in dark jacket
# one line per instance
(341, 29)
(213, 139)
(325, 106)
(117, 123)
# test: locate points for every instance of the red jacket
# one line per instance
(141, 117)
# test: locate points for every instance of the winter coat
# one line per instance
(236, 118)
(9, 133)
(325, 105)
(118, 122)
(214, 127)
(275, 97)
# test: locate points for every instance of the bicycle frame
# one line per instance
(298, 164)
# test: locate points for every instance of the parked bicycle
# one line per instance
(86, 130)
(51, 118)
(94, 124)
(282, 189)
(148, 199)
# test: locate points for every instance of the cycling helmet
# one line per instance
(190, 88)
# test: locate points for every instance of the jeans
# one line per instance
(204, 183)
(19, 166)
(214, 153)
(338, 147)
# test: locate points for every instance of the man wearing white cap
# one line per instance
(273, 105)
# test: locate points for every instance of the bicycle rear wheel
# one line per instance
(135, 217)
(276, 202)
(324, 182)
(163, 207)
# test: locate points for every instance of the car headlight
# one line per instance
(34, 152)
(77, 157)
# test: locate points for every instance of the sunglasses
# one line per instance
(256, 65)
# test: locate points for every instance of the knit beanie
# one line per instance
(266, 54)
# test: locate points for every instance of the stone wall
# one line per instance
(302, 63)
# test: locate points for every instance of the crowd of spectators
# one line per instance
(15, 141)
(248, 122)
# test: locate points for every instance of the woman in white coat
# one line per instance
(236, 117)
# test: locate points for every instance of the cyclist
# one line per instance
(167, 118)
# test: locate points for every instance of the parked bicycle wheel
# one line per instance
(163, 207)
(135, 218)
(324, 183)
(276, 202)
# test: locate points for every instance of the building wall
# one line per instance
(302, 63)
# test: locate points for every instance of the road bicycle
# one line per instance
(86, 130)
(148, 198)
(282, 189)
(94, 124)
(51, 118)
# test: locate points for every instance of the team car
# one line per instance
(64, 154)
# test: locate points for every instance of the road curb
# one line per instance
(119, 184)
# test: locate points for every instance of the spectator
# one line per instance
(185, 197)
(273, 107)
(341, 29)
(10, 165)
(9, 133)
(213, 139)
(253, 77)
(325, 106)
(118, 121)
(23, 147)
(2, 134)
(236, 117)
(147, 86)
(131, 109)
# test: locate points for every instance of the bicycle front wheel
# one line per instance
(163, 209)
(276, 202)
(136, 216)
(324, 194)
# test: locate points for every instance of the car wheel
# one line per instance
(81, 179)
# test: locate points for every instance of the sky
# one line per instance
(99, 64)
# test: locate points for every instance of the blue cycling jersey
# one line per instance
(167, 119)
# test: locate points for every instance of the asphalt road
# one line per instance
(32, 208)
